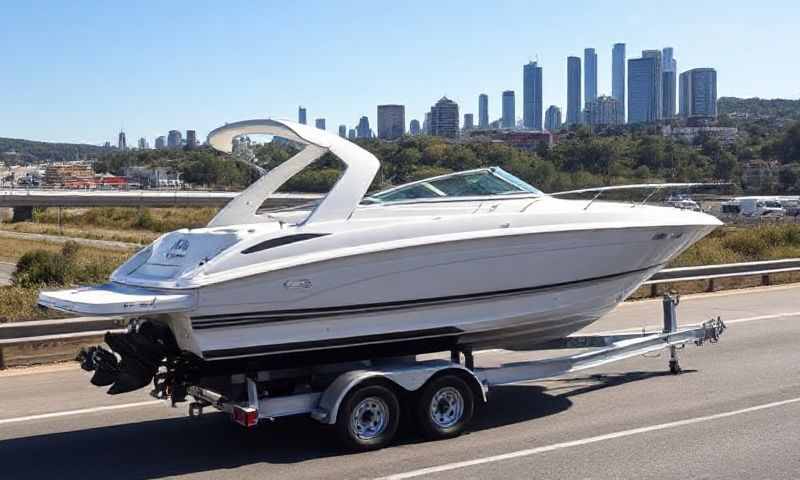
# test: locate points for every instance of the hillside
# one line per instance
(760, 107)
(30, 150)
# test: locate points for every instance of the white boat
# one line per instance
(682, 201)
(466, 260)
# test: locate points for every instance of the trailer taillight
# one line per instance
(245, 416)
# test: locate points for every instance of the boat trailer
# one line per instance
(363, 399)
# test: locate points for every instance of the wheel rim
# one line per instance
(447, 407)
(369, 418)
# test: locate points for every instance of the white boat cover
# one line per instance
(115, 299)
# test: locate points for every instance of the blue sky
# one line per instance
(78, 71)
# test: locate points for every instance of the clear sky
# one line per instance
(78, 71)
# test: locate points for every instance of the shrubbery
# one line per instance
(39, 268)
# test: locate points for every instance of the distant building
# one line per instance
(362, 129)
(155, 177)
(532, 96)
(122, 144)
(469, 122)
(343, 131)
(602, 111)
(574, 104)
(483, 110)
(301, 115)
(509, 116)
(552, 118)
(529, 140)
(444, 118)
(143, 144)
(669, 82)
(174, 139)
(644, 101)
(391, 121)
(73, 174)
(698, 94)
(320, 123)
(659, 80)
(725, 135)
(426, 124)
(191, 139)
(414, 128)
(161, 143)
(589, 75)
(618, 79)
(351, 134)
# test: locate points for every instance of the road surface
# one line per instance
(735, 413)
(6, 269)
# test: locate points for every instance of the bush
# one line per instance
(41, 268)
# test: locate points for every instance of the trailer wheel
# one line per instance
(368, 418)
(445, 407)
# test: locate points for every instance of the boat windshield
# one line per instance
(475, 183)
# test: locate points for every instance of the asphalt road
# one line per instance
(735, 413)
(6, 269)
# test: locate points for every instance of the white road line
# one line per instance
(82, 411)
(584, 441)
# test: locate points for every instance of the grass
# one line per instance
(743, 244)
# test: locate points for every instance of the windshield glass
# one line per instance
(481, 183)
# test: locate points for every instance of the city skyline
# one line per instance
(209, 86)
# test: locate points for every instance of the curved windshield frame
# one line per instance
(484, 182)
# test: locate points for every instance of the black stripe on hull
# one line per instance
(252, 318)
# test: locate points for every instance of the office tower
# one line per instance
(301, 115)
(174, 139)
(698, 94)
(143, 144)
(320, 123)
(508, 109)
(426, 124)
(444, 118)
(343, 131)
(351, 134)
(659, 80)
(574, 104)
(669, 82)
(362, 129)
(468, 121)
(644, 101)
(414, 129)
(483, 110)
(552, 118)
(590, 75)
(161, 143)
(122, 144)
(191, 139)
(602, 111)
(391, 121)
(532, 96)
(618, 79)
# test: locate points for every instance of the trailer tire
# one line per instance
(368, 418)
(445, 407)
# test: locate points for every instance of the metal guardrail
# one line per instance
(91, 328)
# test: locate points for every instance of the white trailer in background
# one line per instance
(363, 399)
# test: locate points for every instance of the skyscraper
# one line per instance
(161, 143)
(391, 121)
(589, 75)
(444, 118)
(698, 94)
(532, 96)
(574, 90)
(618, 79)
(469, 122)
(659, 80)
(191, 139)
(301, 115)
(644, 102)
(320, 123)
(426, 124)
(143, 144)
(351, 134)
(509, 117)
(552, 118)
(413, 128)
(122, 144)
(343, 131)
(483, 110)
(362, 129)
(602, 111)
(669, 83)
(174, 139)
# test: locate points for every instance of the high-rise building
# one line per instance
(698, 94)
(343, 131)
(362, 129)
(444, 118)
(469, 122)
(669, 82)
(618, 79)
(589, 75)
(532, 96)
(552, 118)
(320, 123)
(351, 134)
(174, 139)
(122, 144)
(426, 124)
(143, 144)
(574, 104)
(644, 101)
(191, 139)
(659, 80)
(602, 111)
(413, 128)
(391, 121)
(483, 110)
(161, 143)
(301, 115)
(509, 116)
